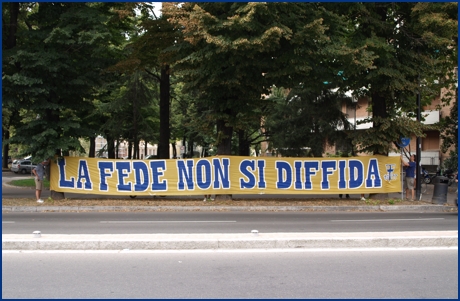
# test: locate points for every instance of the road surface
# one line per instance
(412, 274)
(224, 222)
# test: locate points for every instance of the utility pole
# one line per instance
(418, 150)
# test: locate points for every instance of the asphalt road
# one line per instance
(411, 274)
(224, 222)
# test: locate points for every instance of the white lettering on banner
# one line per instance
(84, 175)
(249, 180)
(63, 183)
(203, 174)
(286, 175)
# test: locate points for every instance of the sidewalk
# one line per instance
(418, 207)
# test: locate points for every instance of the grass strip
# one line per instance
(29, 183)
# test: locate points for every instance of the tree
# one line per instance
(10, 111)
(302, 123)
(131, 111)
(52, 71)
(415, 45)
(449, 135)
(212, 66)
(147, 54)
(234, 52)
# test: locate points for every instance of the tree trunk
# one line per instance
(316, 149)
(55, 195)
(13, 25)
(243, 144)
(10, 42)
(174, 152)
(224, 147)
(53, 116)
(163, 143)
(6, 148)
(190, 148)
(379, 110)
(130, 149)
(92, 147)
(136, 148)
(135, 154)
(224, 138)
(110, 147)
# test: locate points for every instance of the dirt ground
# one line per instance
(199, 202)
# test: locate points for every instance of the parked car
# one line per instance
(22, 166)
(14, 166)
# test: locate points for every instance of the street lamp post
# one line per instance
(418, 147)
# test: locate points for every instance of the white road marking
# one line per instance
(297, 250)
(7, 222)
(155, 222)
(386, 220)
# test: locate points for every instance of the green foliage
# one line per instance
(372, 202)
(304, 123)
(415, 44)
(76, 70)
(449, 126)
(52, 72)
(394, 201)
(131, 108)
(386, 134)
(449, 136)
(452, 161)
(234, 53)
(338, 154)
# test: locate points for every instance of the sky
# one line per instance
(157, 8)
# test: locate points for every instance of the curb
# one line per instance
(123, 242)
(384, 208)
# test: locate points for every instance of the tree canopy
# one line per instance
(416, 50)
(51, 73)
(233, 53)
(205, 71)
